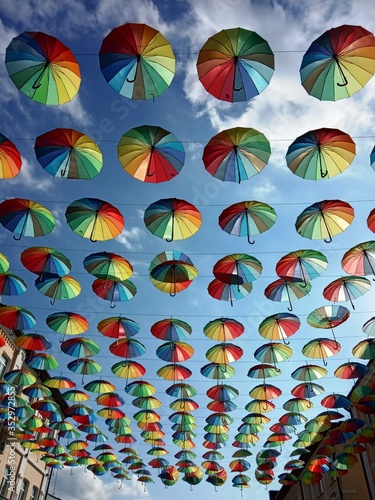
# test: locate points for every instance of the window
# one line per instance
(23, 489)
(4, 483)
(34, 493)
(4, 363)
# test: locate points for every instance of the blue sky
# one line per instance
(282, 112)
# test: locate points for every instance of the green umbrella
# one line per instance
(61, 288)
(42, 361)
(4, 263)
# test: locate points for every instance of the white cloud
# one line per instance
(28, 178)
(130, 238)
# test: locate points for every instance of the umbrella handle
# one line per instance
(112, 305)
(286, 342)
(290, 308)
(328, 240)
(37, 83)
(237, 90)
(120, 482)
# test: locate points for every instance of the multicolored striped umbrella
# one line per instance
(16, 318)
(328, 317)
(305, 265)
(174, 372)
(321, 154)
(279, 326)
(237, 269)
(11, 284)
(224, 353)
(273, 353)
(172, 272)
(4, 263)
(67, 323)
(236, 154)
(263, 371)
(351, 369)
(128, 369)
(25, 217)
(235, 65)
(324, 220)
(321, 348)
(108, 266)
(127, 348)
(175, 352)
(10, 159)
(84, 366)
(283, 290)
(223, 329)
(137, 61)
(218, 371)
(80, 347)
(364, 349)
(42, 361)
(114, 291)
(247, 218)
(338, 63)
(360, 260)
(118, 327)
(59, 288)
(309, 372)
(151, 154)
(32, 342)
(371, 220)
(224, 291)
(347, 288)
(43, 68)
(171, 329)
(45, 261)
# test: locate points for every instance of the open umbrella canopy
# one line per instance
(67, 323)
(218, 371)
(59, 288)
(279, 326)
(151, 154)
(43, 68)
(32, 342)
(283, 290)
(321, 348)
(302, 264)
(172, 219)
(114, 291)
(108, 266)
(172, 271)
(236, 154)
(365, 349)
(11, 284)
(45, 261)
(118, 327)
(328, 317)
(171, 329)
(223, 329)
(338, 63)
(80, 347)
(127, 348)
(235, 64)
(137, 61)
(224, 353)
(10, 159)
(324, 220)
(351, 369)
(247, 218)
(360, 260)
(321, 154)
(347, 288)
(237, 269)
(16, 318)
(229, 292)
(175, 352)
(273, 352)
(67, 153)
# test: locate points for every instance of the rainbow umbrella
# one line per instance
(114, 291)
(75, 395)
(184, 404)
(16, 318)
(128, 369)
(127, 348)
(371, 220)
(279, 326)
(148, 403)
(224, 353)
(218, 371)
(328, 317)
(32, 342)
(236, 154)
(324, 220)
(283, 290)
(287, 479)
(67, 153)
(140, 388)
(175, 352)
(137, 61)
(151, 154)
(37, 391)
(43, 68)
(321, 348)
(67, 323)
(229, 292)
(99, 386)
(172, 219)
(263, 371)
(345, 460)
(94, 219)
(273, 353)
(223, 329)
(237, 268)
(335, 401)
(25, 217)
(118, 327)
(11, 284)
(309, 372)
(19, 377)
(247, 218)
(58, 288)
(4, 263)
(265, 391)
(10, 159)
(338, 63)
(292, 418)
(45, 261)
(174, 372)
(235, 65)
(108, 266)
(360, 260)
(346, 288)
(257, 405)
(59, 383)
(222, 392)
(369, 327)
(302, 264)
(364, 349)
(181, 390)
(80, 347)
(307, 390)
(221, 406)
(42, 361)
(172, 271)
(171, 329)
(321, 154)
(84, 366)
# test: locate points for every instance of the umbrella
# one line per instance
(265, 391)
(346, 288)
(45, 261)
(172, 271)
(236, 154)
(247, 218)
(230, 292)
(80, 347)
(11, 284)
(222, 392)
(223, 329)
(263, 371)
(371, 220)
(224, 353)
(84, 366)
(369, 327)
(172, 219)
(302, 264)
(137, 61)
(364, 349)
(235, 65)
(237, 269)
(94, 219)
(307, 390)
(59, 383)
(67, 323)
(218, 371)
(127, 348)
(25, 217)
(324, 220)
(4, 263)
(273, 352)
(351, 369)
(67, 153)
(10, 159)
(175, 352)
(43, 68)
(118, 327)
(360, 260)
(42, 361)
(19, 377)
(16, 318)
(174, 372)
(61, 288)
(279, 326)
(328, 317)
(151, 154)
(108, 266)
(181, 390)
(321, 348)
(335, 401)
(283, 290)
(338, 63)
(37, 391)
(321, 154)
(114, 291)
(99, 386)
(309, 372)
(171, 329)
(128, 369)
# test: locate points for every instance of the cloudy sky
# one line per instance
(282, 112)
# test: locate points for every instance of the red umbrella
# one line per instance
(347, 288)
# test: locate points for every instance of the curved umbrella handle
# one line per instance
(17, 238)
(328, 240)
(237, 90)
(286, 342)
(120, 482)
(112, 305)
(290, 308)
